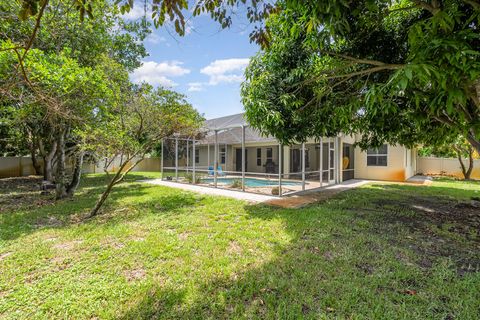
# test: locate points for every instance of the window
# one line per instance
(269, 155)
(223, 154)
(259, 156)
(377, 157)
(197, 156)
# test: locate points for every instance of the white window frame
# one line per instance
(223, 155)
(259, 158)
(377, 154)
(271, 152)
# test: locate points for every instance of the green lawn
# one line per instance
(382, 251)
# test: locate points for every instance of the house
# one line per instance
(316, 163)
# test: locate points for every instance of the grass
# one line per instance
(381, 251)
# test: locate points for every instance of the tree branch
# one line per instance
(433, 7)
(473, 3)
(36, 28)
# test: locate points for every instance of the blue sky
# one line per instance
(206, 64)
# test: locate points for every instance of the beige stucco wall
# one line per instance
(396, 169)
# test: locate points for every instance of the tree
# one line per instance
(402, 72)
(458, 148)
(62, 99)
(50, 80)
(135, 128)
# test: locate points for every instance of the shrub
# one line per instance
(236, 183)
(275, 191)
(189, 178)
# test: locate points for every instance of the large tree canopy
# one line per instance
(58, 78)
(398, 71)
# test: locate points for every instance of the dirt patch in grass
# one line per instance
(111, 242)
(19, 184)
(234, 248)
(184, 235)
(5, 255)
(48, 222)
(135, 274)
(439, 227)
(69, 245)
(22, 193)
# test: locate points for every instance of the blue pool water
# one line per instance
(252, 182)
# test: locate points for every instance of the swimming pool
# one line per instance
(252, 182)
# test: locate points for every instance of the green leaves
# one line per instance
(402, 72)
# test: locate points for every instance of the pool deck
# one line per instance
(293, 201)
(247, 196)
(305, 198)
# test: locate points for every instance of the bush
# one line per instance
(236, 183)
(189, 178)
(275, 191)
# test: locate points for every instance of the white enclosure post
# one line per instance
(243, 158)
(208, 154)
(280, 167)
(176, 159)
(321, 162)
(338, 150)
(328, 166)
(303, 166)
(215, 160)
(187, 155)
(161, 163)
(193, 162)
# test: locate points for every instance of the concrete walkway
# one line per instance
(251, 197)
(305, 198)
(425, 180)
(294, 201)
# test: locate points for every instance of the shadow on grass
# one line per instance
(347, 258)
(356, 255)
(42, 211)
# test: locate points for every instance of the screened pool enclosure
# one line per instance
(230, 154)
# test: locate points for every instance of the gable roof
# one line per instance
(230, 131)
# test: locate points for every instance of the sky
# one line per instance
(206, 64)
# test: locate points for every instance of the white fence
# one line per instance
(22, 166)
(448, 166)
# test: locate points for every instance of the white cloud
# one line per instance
(155, 39)
(137, 12)
(195, 86)
(226, 70)
(158, 73)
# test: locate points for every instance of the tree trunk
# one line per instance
(35, 163)
(61, 190)
(77, 173)
(106, 193)
(468, 174)
(47, 163)
(115, 180)
(474, 141)
(464, 170)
